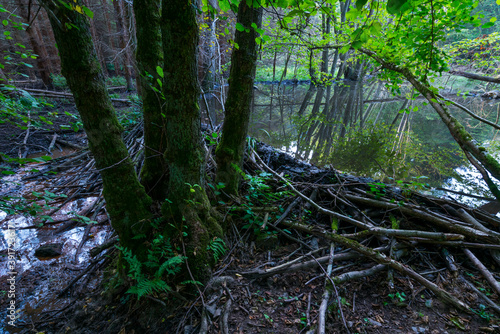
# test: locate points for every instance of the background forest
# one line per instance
(364, 128)
(153, 114)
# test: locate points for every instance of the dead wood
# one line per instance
(484, 271)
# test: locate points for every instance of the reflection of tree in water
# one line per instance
(359, 126)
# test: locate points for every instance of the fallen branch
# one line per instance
(488, 301)
(382, 259)
(484, 271)
(449, 225)
(358, 274)
(404, 234)
(368, 252)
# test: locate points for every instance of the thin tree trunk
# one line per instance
(123, 40)
(229, 153)
(457, 130)
(149, 56)
(187, 203)
(116, 63)
(37, 45)
(126, 200)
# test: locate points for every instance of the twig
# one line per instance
(326, 296)
(484, 271)
(492, 304)
(358, 274)
(382, 259)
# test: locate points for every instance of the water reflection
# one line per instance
(315, 123)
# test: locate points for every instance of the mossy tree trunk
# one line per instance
(187, 206)
(149, 55)
(126, 199)
(229, 153)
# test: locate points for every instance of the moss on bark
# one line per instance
(229, 153)
(188, 204)
(126, 199)
(149, 55)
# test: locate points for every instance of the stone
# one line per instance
(49, 250)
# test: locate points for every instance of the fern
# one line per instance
(161, 262)
(218, 247)
(171, 266)
(148, 287)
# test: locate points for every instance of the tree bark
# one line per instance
(187, 206)
(229, 153)
(126, 200)
(149, 55)
(474, 76)
(123, 38)
(37, 46)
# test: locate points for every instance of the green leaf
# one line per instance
(394, 6)
(357, 44)
(159, 70)
(498, 2)
(360, 3)
(488, 25)
(5, 22)
(376, 28)
(352, 14)
(240, 27)
(88, 12)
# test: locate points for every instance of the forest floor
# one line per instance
(272, 277)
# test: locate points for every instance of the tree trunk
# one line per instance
(123, 38)
(229, 153)
(37, 46)
(187, 206)
(149, 55)
(116, 63)
(126, 200)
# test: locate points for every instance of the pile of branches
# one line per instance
(363, 218)
(357, 217)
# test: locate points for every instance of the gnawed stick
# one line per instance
(326, 295)
(294, 266)
(414, 212)
(346, 277)
(374, 255)
(469, 219)
(484, 271)
(405, 233)
(382, 259)
(450, 262)
(99, 249)
(457, 243)
(353, 221)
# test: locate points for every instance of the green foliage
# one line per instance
(22, 110)
(372, 151)
(116, 81)
(265, 73)
(483, 313)
(378, 189)
(162, 262)
(260, 193)
(59, 81)
(218, 247)
(75, 125)
(399, 296)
